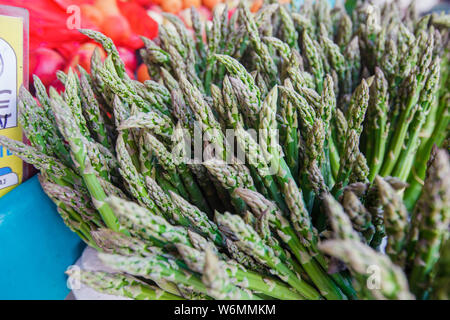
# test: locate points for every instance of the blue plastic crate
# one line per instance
(36, 247)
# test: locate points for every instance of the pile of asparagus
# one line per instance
(341, 194)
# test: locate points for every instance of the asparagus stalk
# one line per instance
(195, 259)
(432, 213)
(121, 285)
(361, 259)
(396, 221)
(403, 166)
(378, 109)
(282, 227)
(78, 146)
(420, 75)
(252, 244)
(159, 267)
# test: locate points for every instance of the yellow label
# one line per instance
(11, 77)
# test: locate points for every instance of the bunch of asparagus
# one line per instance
(342, 194)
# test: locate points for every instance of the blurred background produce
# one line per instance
(56, 47)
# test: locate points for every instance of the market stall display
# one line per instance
(350, 106)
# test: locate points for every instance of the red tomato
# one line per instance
(44, 63)
(205, 12)
(172, 6)
(191, 3)
(155, 8)
(130, 73)
(211, 3)
(83, 56)
(141, 24)
(117, 28)
(142, 73)
(134, 42)
(145, 3)
(257, 4)
(92, 13)
(231, 12)
(107, 7)
(128, 57)
(67, 49)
